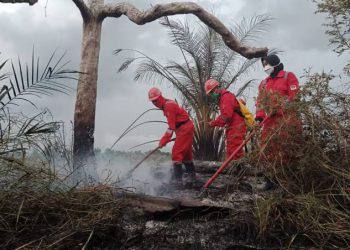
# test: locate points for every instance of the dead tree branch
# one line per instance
(162, 10)
(84, 10)
(30, 2)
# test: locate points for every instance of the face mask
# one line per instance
(268, 69)
(214, 97)
(157, 103)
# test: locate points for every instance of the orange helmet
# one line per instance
(154, 94)
(210, 85)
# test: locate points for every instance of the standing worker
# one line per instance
(179, 122)
(276, 94)
(230, 117)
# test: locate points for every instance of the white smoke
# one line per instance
(152, 177)
(149, 178)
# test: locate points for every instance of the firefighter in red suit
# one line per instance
(282, 126)
(180, 123)
(230, 117)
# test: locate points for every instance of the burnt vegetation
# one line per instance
(42, 207)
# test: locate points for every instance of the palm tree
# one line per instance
(204, 56)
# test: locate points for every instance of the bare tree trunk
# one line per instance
(85, 106)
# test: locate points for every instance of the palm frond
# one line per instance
(151, 70)
(31, 80)
(244, 87)
(125, 65)
(131, 125)
(3, 64)
(117, 51)
(243, 69)
(3, 76)
(183, 36)
(187, 40)
(251, 29)
(168, 24)
(246, 31)
(20, 133)
(142, 144)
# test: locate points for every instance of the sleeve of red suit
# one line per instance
(226, 111)
(170, 113)
(260, 112)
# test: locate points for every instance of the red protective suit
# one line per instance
(282, 126)
(180, 122)
(233, 121)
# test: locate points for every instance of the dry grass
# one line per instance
(38, 210)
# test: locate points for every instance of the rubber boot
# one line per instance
(191, 171)
(177, 177)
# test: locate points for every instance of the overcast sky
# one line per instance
(296, 30)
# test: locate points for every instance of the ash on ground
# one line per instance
(155, 180)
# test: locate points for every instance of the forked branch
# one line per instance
(84, 10)
(162, 10)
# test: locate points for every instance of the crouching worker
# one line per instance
(230, 117)
(180, 123)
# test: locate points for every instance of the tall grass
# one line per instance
(311, 207)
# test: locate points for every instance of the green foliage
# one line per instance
(338, 22)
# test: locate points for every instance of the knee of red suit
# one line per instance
(235, 135)
(182, 149)
(182, 155)
(233, 145)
